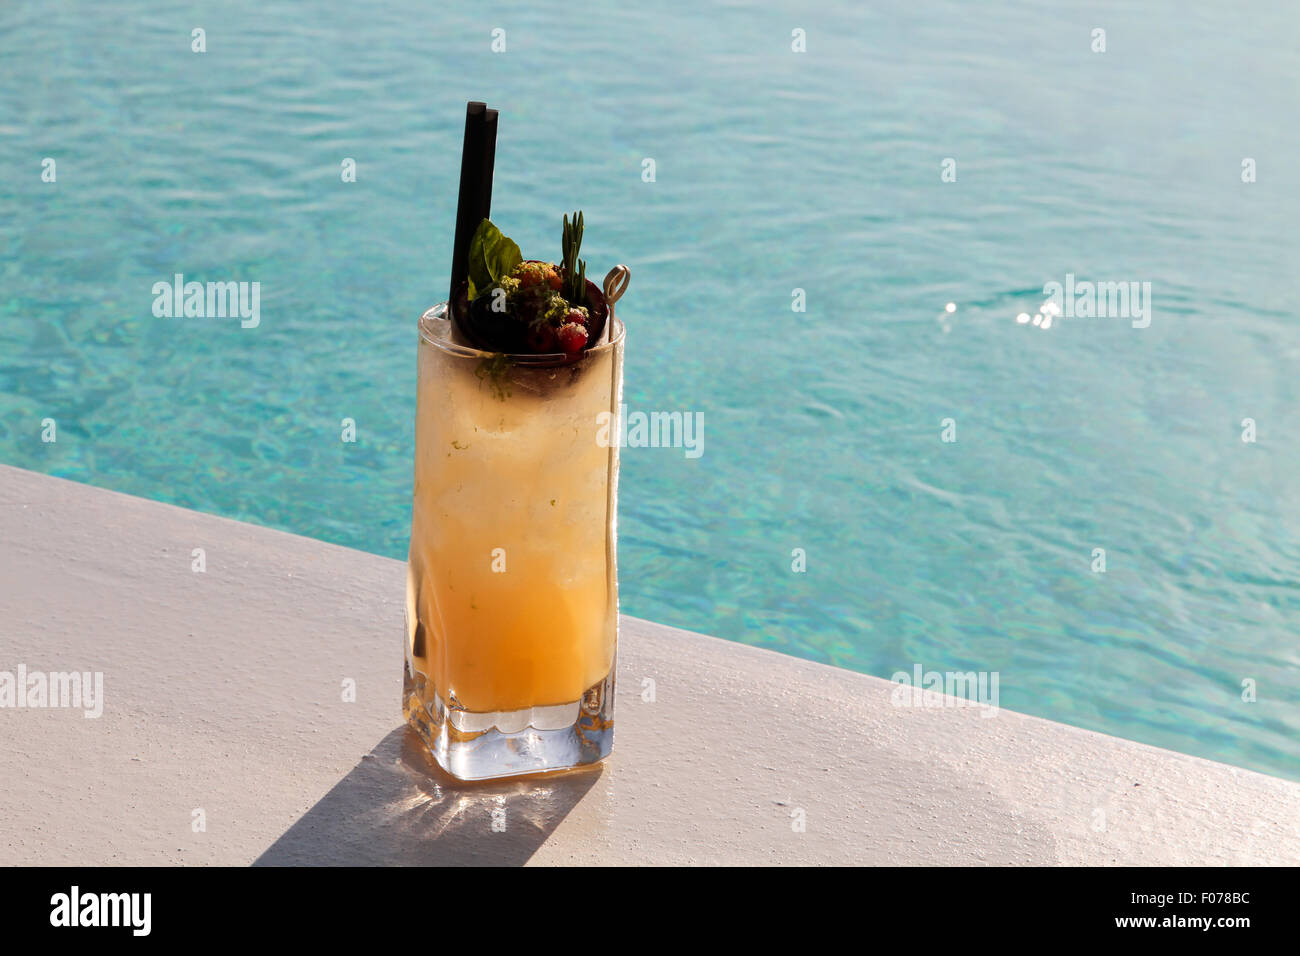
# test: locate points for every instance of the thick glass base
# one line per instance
(486, 746)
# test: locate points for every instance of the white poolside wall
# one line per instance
(223, 694)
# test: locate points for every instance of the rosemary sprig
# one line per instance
(575, 269)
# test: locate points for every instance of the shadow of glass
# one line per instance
(399, 808)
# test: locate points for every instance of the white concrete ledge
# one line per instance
(223, 694)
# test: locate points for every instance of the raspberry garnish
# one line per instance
(530, 273)
(572, 337)
(542, 339)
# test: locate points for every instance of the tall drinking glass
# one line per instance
(512, 590)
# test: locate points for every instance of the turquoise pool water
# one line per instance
(775, 170)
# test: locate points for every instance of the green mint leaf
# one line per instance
(491, 257)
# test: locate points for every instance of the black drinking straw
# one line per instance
(477, 158)
(487, 165)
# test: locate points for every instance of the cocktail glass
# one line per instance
(512, 588)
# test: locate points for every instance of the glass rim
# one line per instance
(438, 312)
